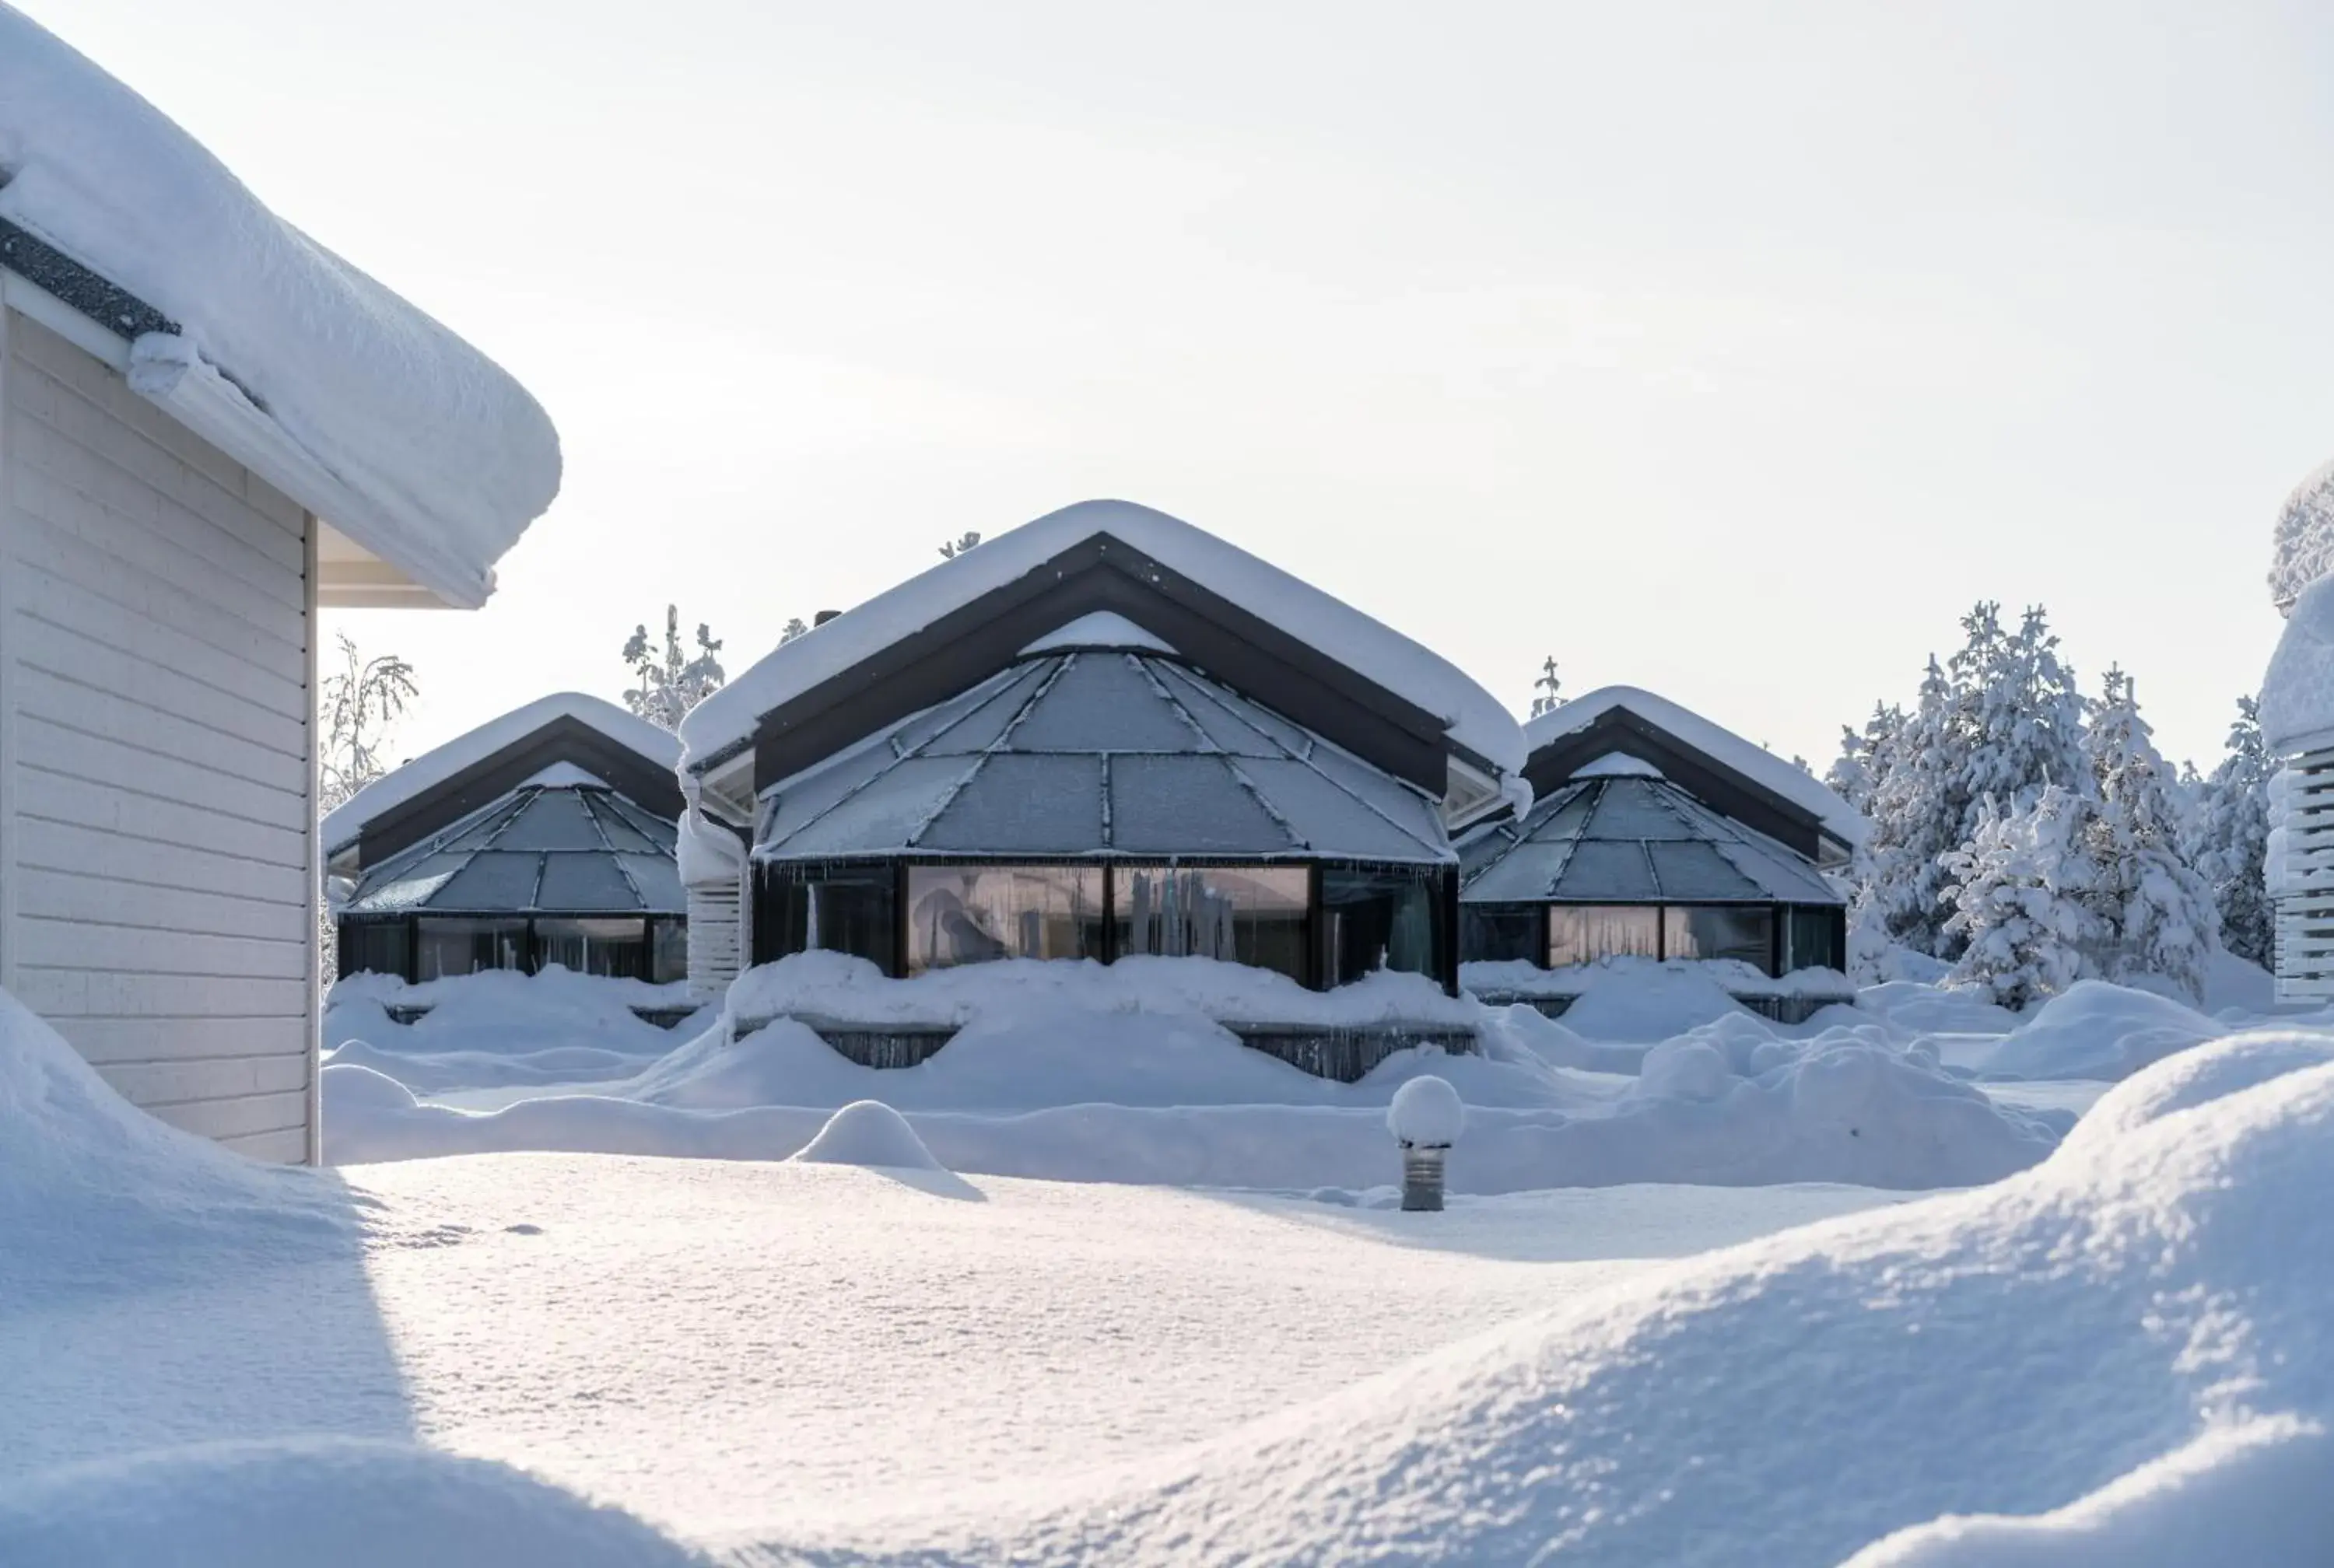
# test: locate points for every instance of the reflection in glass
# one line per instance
(617, 947)
(668, 951)
(1819, 940)
(1249, 915)
(1490, 933)
(446, 945)
(374, 946)
(971, 914)
(837, 909)
(1743, 932)
(1584, 933)
(1378, 920)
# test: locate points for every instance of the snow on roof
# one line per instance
(2302, 549)
(2297, 697)
(1756, 763)
(432, 768)
(434, 459)
(1471, 717)
(1103, 628)
(1618, 764)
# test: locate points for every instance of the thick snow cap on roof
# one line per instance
(1471, 717)
(2297, 699)
(432, 768)
(441, 459)
(2302, 550)
(1756, 763)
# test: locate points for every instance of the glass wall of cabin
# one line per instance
(417, 948)
(1774, 939)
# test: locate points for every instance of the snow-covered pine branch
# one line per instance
(669, 680)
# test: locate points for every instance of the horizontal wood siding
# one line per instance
(156, 732)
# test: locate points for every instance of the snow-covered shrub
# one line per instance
(670, 680)
(2020, 898)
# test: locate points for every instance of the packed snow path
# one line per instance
(732, 1346)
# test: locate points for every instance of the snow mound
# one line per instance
(297, 1503)
(351, 1090)
(2097, 1030)
(2197, 1077)
(447, 457)
(2303, 547)
(1427, 1113)
(95, 1195)
(869, 1133)
(1644, 1002)
(2297, 695)
(2134, 1332)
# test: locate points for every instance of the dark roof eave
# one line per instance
(86, 290)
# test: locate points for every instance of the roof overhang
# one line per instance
(1709, 779)
(362, 559)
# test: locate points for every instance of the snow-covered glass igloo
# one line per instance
(1103, 734)
(1655, 836)
(545, 837)
(2297, 720)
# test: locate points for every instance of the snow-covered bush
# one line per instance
(2019, 902)
(669, 680)
(2226, 838)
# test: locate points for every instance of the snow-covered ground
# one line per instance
(2117, 1356)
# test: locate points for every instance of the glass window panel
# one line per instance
(971, 914)
(1819, 940)
(1584, 933)
(841, 909)
(1742, 932)
(613, 947)
(444, 945)
(1253, 915)
(1494, 933)
(375, 948)
(1379, 919)
(553, 820)
(668, 951)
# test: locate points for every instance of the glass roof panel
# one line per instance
(1526, 874)
(494, 880)
(1338, 822)
(1693, 871)
(972, 720)
(1102, 702)
(879, 818)
(658, 881)
(1188, 805)
(554, 820)
(1601, 871)
(1630, 808)
(618, 827)
(1235, 726)
(1019, 804)
(585, 884)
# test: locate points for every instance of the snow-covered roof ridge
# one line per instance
(1471, 717)
(431, 768)
(423, 450)
(1756, 763)
(1103, 628)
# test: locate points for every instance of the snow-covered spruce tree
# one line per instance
(2158, 917)
(1864, 755)
(2020, 890)
(793, 629)
(670, 680)
(1917, 810)
(1547, 691)
(2023, 712)
(2226, 838)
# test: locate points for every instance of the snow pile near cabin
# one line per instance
(1471, 716)
(2095, 1030)
(95, 1195)
(300, 1502)
(454, 455)
(868, 1132)
(2303, 548)
(2122, 1356)
(495, 1030)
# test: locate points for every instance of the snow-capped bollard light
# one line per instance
(1426, 1118)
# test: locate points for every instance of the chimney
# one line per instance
(824, 616)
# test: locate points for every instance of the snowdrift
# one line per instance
(871, 1133)
(96, 1196)
(2096, 1030)
(300, 1503)
(2121, 1356)
(499, 1029)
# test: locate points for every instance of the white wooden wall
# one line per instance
(157, 819)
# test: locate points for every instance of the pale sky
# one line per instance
(1727, 350)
